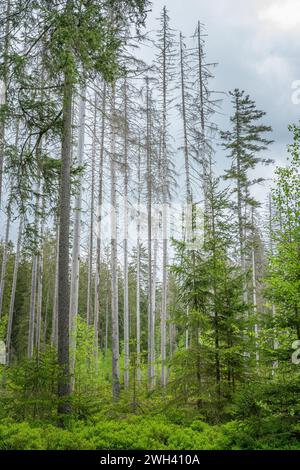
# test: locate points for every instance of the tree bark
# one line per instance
(184, 120)
(114, 260)
(54, 322)
(125, 243)
(13, 293)
(3, 92)
(99, 220)
(76, 238)
(64, 388)
(151, 356)
(40, 275)
(4, 261)
(254, 287)
(163, 326)
(89, 307)
(138, 273)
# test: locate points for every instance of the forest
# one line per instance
(149, 299)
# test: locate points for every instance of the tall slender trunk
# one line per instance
(89, 307)
(125, 243)
(241, 228)
(64, 388)
(189, 200)
(183, 229)
(184, 121)
(34, 270)
(3, 92)
(214, 289)
(99, 220)
(46, 319)
(254, 287)
(35, 314)
(138, 273)
(151, 357)
(114, 259)
(276, 343)
(40, 274)
(6, 240)
(32, 308)
(154, 281)
(163, 327)
(106, 314)
(13, 293)
(4, 260)
(54, 339)
(202, 115)
(154, 271)
(74, 291)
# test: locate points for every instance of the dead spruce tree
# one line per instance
(165, 65)
(99, 211)
(74, 288)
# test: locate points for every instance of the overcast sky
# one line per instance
(256, 43)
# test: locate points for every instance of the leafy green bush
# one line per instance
(133, 433)
(138, 432)
(21, 436)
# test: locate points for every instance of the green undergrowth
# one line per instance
(138, 432)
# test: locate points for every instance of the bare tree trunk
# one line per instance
(187, 339)
(184, 120)
(254, 286)
(32, 309)
(99, 220)
(151, 357)
(114, 260)
(34, 276)
(202, 114)
(189, 200)
(276, 343)
(46, 319)
(154, 273)
(3, 91)
(154, 278)
(125, 243)
(163, 327)
(54, 339)
(40, 275)
(106, 314)
(244, 245)
(34, 272)
(4, 260)
(64, 388)
(35, 314)
(76, 238)
(138, 274)
(13, 292)
(6, 240)
(89, 307)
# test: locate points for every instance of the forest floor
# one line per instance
(139, 432)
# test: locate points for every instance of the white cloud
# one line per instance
(284, 14)
(275, 68)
